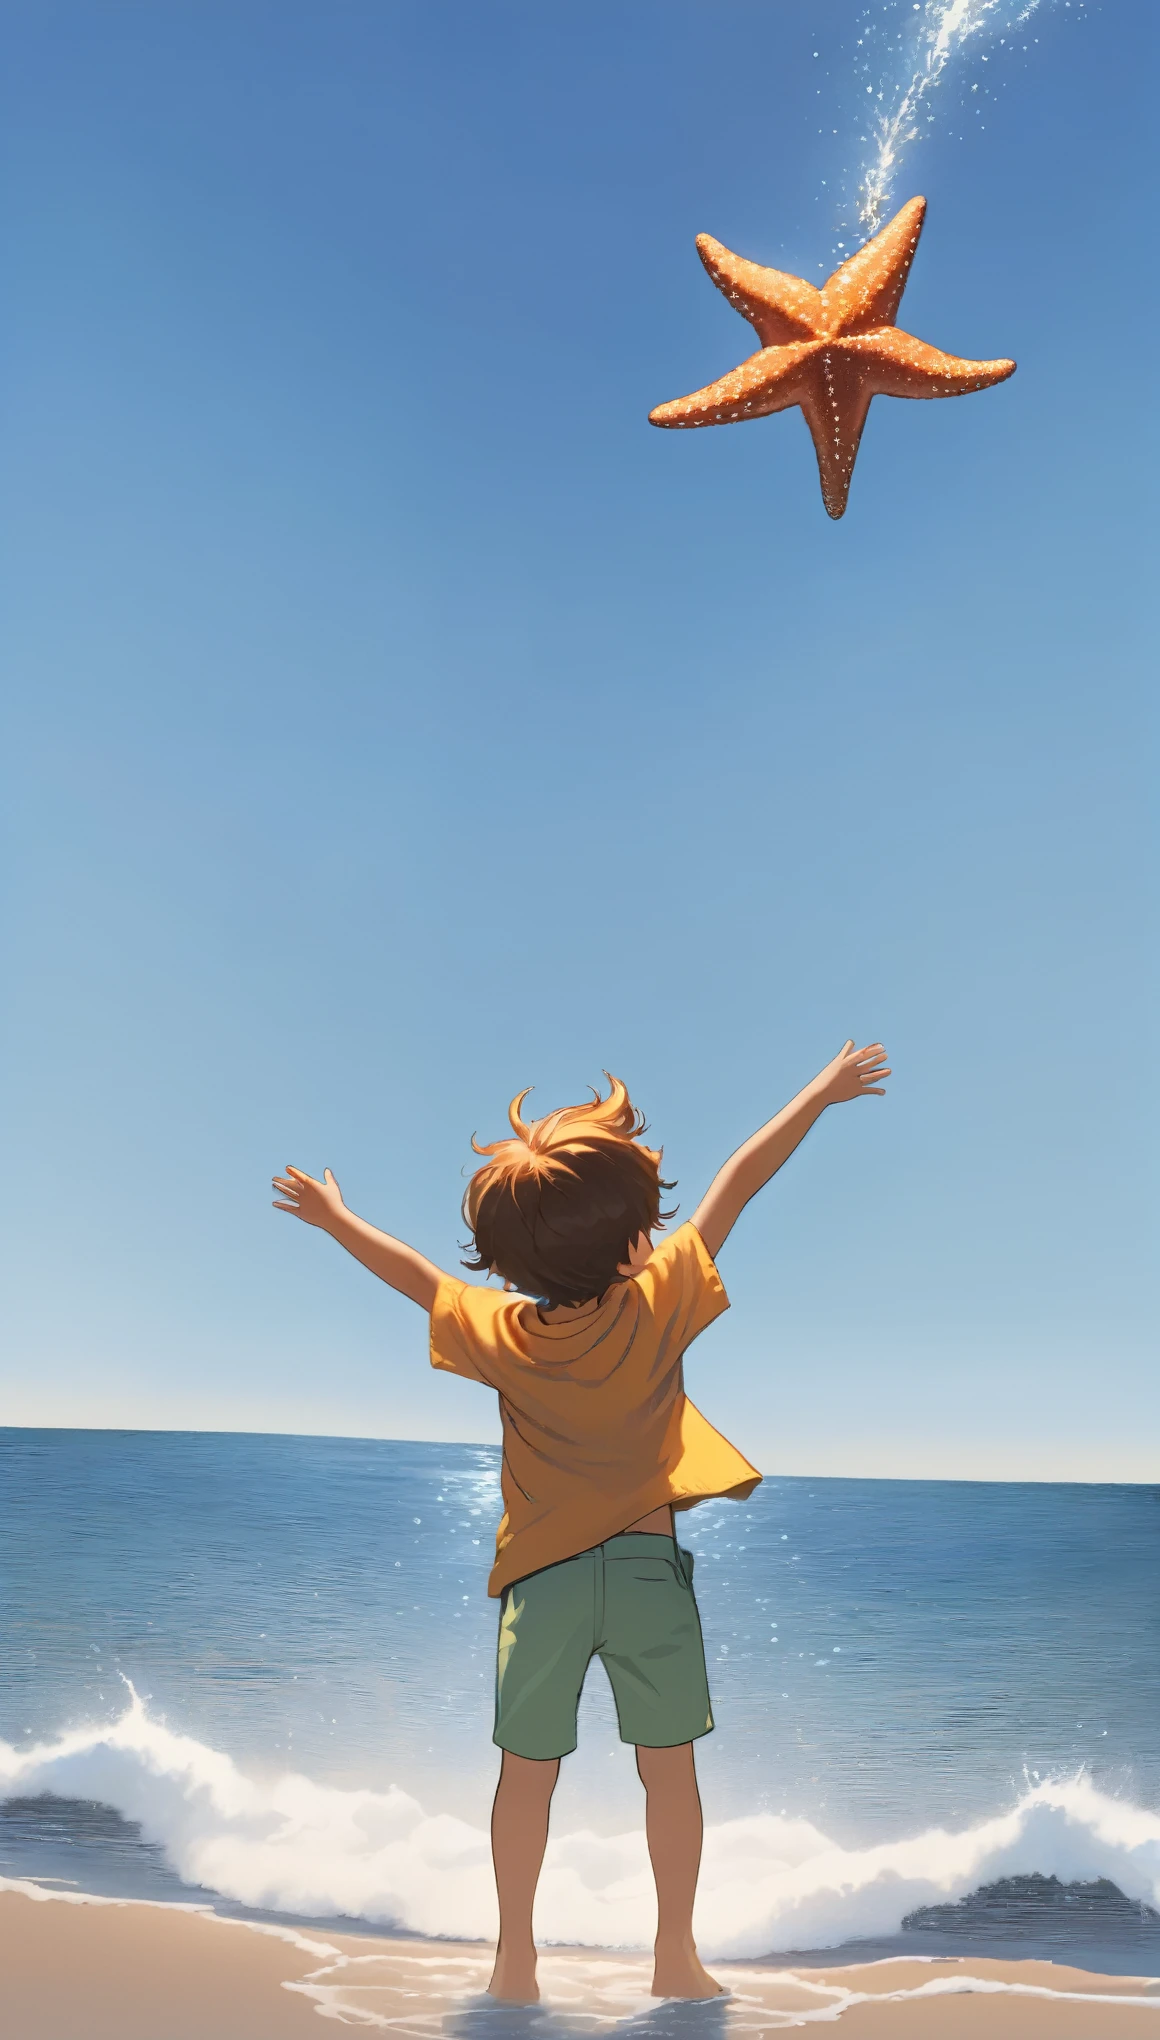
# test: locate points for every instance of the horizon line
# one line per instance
(486, 1445)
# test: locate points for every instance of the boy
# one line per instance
(600, 1444)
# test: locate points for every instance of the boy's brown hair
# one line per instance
(557, 1209)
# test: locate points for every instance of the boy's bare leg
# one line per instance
(519, 1836)
(673, 1825)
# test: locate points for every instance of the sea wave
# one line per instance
(768, 1883)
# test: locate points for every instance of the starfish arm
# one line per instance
(895, 364)
(867, 290)
(780, 308)
(769, 381)
(835, 405)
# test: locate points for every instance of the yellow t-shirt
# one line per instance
(597, 1428)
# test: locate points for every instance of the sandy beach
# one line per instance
(77, 1969)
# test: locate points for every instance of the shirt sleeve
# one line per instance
(462, 1317)
(680, 1287)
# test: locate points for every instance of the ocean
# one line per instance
(260, 1669)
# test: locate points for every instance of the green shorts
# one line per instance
(628, 1602)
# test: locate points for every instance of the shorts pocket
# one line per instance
(652, 1572)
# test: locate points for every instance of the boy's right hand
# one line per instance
(318, 1203)
(854, 1073)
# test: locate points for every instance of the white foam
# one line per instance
(407, 1994)
(767, 1883)
(41, 1894)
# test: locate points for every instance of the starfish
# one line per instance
(829, 350)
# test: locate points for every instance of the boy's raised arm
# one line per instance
(854, 1073)
(391, 1260)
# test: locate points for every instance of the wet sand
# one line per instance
(102, 1970)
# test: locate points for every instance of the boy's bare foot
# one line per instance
(513, 1980)
(679, 1973)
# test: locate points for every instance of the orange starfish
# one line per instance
(829, 350)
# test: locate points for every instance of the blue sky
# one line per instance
(395, 719)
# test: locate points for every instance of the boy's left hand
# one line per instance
(317, 1203)
(854, 1073)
